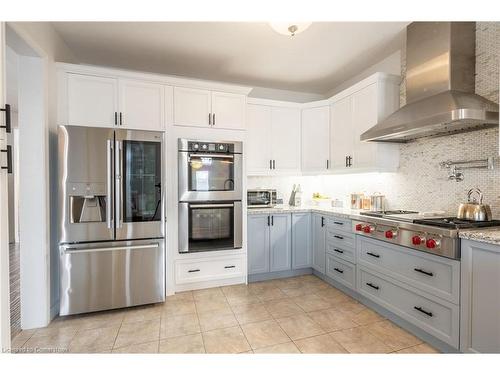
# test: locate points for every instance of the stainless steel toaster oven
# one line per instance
(261, 198)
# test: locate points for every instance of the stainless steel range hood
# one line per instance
(440, 83)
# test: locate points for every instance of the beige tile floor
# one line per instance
(294, 315)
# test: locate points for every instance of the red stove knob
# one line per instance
(368, 229)
(359, 227)
(391, 233)
(431, 243)
(417, 240)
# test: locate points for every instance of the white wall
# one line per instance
(44, 40)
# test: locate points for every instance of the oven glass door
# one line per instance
(210, 227)
(210, 172)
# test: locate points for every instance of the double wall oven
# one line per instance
(210, 193)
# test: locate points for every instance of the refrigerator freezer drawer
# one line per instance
(110, 275)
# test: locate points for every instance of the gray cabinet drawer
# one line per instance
(339, 224)
(339, 238)
(343, 252)
(430, 273)
(343, 272)
(437, 317)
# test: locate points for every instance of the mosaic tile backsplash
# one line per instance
(420, 184)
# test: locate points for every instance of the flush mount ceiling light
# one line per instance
(289, 28)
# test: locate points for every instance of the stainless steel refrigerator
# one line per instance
(111, 210)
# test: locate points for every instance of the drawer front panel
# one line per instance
(202, 270)
(343, 252)
(339, 224)
(343, 239)
(438, 318)
(430, 273)
(343, 272)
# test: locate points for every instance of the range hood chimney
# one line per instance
(440, 85)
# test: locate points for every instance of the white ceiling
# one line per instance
(315, 61)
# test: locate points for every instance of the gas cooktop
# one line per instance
(386, 213)
(455, 223)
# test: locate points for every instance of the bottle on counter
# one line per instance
(291, 201)
(298, 197)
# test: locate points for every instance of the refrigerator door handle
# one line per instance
(69, 250)
(109, 184)
(118, 183)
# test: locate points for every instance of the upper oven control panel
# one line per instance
(210, 147)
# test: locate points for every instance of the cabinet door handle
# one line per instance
(7, 125)
(339, 251)
(209, 119)
(121, 120)
(213, 119)
(8, 151)
(346, 163)
(272, 220)
(373, 286)
(373, 255)
(270, 164)
(116, 118)
(349, 159)
(327, 164)
(420, 309)
(424, 272)
(196, 270)
(339, 270)
(274, 164)
(268, 220)
(339, 237)
(322, 221)
(229, 266)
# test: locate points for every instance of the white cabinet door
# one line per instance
(285, 139)
(258, 147)
(192, 107)
(364, 116)
(92, 100)
(341, 133)
(141, 105)
(315, 139)
(228, 110)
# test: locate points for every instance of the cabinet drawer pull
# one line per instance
(418, 308)
(373, 286)
(339, 270)
(373, 255)
(338, 223)
(229, 266)
(339, 251)
(339, 237)
(196, 270)
(424, 272)
(322, 221)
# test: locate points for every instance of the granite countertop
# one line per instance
(488, 235)
(340, 212)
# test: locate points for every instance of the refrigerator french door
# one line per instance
(111, 218)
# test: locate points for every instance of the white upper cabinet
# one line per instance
(341, 133)
(228, 110)
(353, 112)
(141, 105)
(273, 139)
(258, 146)
(92, 100)
(192, 107)
(315, 135)
(205, 108)
(285, 139)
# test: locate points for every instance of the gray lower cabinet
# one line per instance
(301, 241)
(319, 242)
(480, 298)
(280, 242)
(258, 245)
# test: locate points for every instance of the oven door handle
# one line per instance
(225, 156)
(222, 205)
